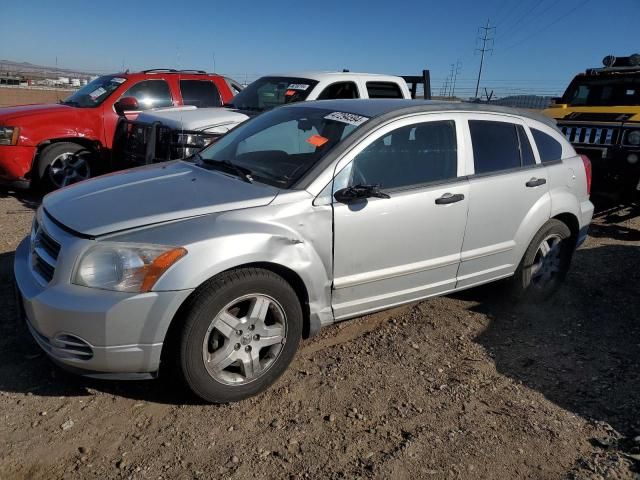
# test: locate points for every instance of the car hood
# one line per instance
(8, 114)
(619, 114)
(150, 195)
(198, 119)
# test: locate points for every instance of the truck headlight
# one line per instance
(9, 135)
(125, 267)
(633, 137)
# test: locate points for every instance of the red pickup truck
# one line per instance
(52, 146)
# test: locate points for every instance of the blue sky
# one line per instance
(539, 44)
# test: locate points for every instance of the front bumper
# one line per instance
(15, 164)
(96, 332)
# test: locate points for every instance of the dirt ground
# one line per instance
(24, 96)
(465, 386)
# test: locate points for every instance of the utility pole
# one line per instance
(455, 77)
(451, 80)
(486, 39)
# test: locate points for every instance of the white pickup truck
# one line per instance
(167, 134)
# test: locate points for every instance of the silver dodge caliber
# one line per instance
(303, 216)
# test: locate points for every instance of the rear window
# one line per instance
(200, 93)
(549, 148)
(495, 146)
(384, 90)
(525, 148)
(269, 92)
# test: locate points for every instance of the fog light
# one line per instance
(632, 158)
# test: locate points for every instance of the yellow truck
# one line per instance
(599, 114)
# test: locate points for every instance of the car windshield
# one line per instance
(279, 146)
(269, 92)
(95, 92)
(614, 90)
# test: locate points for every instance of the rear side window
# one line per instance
(495, 146)
(201, 93)
(383, 90)
(150, 94)
(408, 156)
(339, 90)
(525, 148)
(549, 148)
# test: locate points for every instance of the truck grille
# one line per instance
(44, 253)
(591, 135)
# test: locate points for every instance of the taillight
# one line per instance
(587, 171)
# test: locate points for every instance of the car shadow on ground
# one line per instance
(580, 349)
(30, 199)
(24, 368)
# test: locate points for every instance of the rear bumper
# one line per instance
(586, 215)
(15, 164)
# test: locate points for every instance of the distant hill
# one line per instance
(30, 69)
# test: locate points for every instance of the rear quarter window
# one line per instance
(384, 90)
(549, 148)
(201, 93)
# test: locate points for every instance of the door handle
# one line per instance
(536, 182)
(448, 198)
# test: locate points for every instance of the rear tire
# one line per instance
(545, 263)
(241, 332)
(62, 164)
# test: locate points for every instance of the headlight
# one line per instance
(9, 135)
(125, 267)
(199, 140)
(633, 137)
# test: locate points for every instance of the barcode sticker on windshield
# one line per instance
(297, 86)
(97, 92)
(118, 80)
(344, 117)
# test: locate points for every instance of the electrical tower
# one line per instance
(487, 46)
(454, 75)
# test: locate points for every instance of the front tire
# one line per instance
(62, 164)
(545, 263)
(241, 332)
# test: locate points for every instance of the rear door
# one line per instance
(509, 198)
(393, 250)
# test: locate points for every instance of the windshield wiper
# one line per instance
(242, 172)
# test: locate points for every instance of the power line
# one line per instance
(486, 39)
(548, 26)
(514, 25)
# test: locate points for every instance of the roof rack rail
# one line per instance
(173, 70)
(595, 71)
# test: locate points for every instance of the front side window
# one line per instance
(408, 156)
(280, 146)
(200, 93)
(339, 90)
(384, 90)
(95, 92)
(549, 148)
(269, 92)
(150, 94)
(495, 146)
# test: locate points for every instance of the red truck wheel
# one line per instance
(64, 163)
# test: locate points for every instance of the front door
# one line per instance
(389, 251)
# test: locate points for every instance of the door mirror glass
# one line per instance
(358, 192)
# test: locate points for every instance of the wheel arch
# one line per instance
(86, 142)
(571, 221)
(309, 328)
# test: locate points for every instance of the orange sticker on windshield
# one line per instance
(317, 140)
(289, 93)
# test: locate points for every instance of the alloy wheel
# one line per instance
(244, 339)
(68, 168)
(547, 261)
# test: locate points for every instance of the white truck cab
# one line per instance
(173, 133)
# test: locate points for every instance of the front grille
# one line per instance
(44, 253)
(591, 135)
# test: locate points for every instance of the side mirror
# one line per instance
(126, 104)
(556, 100)
(358, 192)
